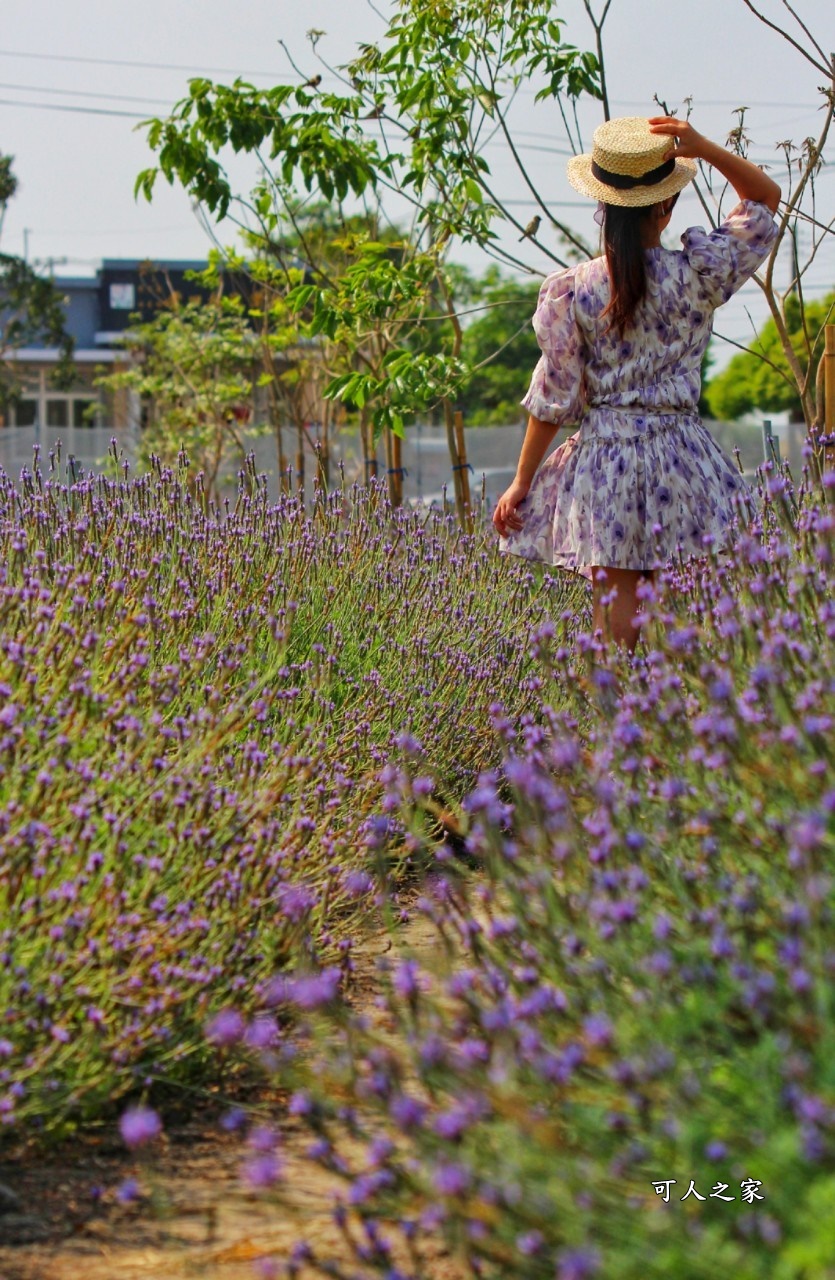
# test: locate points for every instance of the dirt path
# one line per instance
(196, 1219)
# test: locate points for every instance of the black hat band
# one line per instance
(625, 181)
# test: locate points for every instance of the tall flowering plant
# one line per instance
(615, 1057)
(196, 702)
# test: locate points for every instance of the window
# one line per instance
(122, 297)
(56, 413)
(79, 408)
(25, 413)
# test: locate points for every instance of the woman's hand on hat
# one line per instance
(505, 517)
(687, 141)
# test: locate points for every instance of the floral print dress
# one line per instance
(642, 479)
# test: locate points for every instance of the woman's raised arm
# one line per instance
(747, 179)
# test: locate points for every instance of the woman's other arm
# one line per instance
(747, 179)
(538, 437)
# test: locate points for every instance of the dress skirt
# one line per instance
(631, 490)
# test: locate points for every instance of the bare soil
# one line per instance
(194, 1218)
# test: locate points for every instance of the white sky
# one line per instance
(76, 168)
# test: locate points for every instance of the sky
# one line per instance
(77, 76)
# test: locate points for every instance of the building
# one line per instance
(99, 309)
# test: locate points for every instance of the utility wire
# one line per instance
(65, 106)
(240, 71)
(124, 62)
(84, 93)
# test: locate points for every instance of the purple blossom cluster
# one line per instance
(196, 707)
(635, 951)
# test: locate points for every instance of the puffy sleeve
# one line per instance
(556, 393)
(725, 258)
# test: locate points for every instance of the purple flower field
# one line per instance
(618, 1059)
(196, 706)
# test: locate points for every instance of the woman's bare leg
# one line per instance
(617, 618)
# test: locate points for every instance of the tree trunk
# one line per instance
(459, 466)
(458, 419)
(300, 457)
(325, 445)
(394, 467)
(368, 446)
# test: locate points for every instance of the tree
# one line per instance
(412, 117)
(761, 379)
(196, 370)
(438, 84)
(30, 309)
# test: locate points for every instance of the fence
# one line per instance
(491, 451)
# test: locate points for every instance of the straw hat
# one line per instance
(627, 165)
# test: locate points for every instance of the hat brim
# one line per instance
(583, 180)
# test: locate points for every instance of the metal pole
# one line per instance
(766, 439)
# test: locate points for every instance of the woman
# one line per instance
(622, 340)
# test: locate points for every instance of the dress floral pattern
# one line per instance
(642, 479)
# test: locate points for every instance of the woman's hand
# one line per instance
(747, 179)
(690, 143)
(505, 517)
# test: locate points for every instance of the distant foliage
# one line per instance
(761, 379)
(500, 347)
(30, 309)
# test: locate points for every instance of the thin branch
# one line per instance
(293, 64)
(565, 231)
(520, 227)
(703, 202)
(751, 351)
(523, 328)
(575, 149)
(805, 29)
(598, 35)
(821, 332)
(822, 67)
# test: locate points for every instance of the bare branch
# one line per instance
(564, 231)
(819, 66)
(805, 29)
(598, 36)
(751, 351)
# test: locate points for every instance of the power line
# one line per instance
(238, 71)
(65, 106)
(124, 62)
(84, 93)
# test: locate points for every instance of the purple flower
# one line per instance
(226, 1027)
(127, 1191)
(598, 1030)
(406, 980)
(139, 1125)
(261, 1033)
(356, 883)
(530, 1243)
(451, 1179)
(407, 1113)
(263, 1139)
(578, 1264)
(262, 1170)
(308, 991)
(296, 901)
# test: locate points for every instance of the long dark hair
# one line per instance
(624, 246)
(623, 232)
